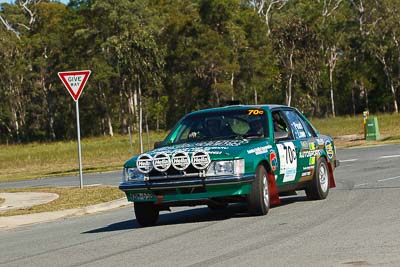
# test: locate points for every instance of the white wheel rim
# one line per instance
(266, 191)
(323, 177)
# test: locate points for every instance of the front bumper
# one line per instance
(185, 182)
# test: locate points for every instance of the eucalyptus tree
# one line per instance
(46, 48)
(265, 9)
(259, 79)
(291, 38)
(220, 43)
(332, 30)
(14, 69)
(385, 44)
(21, 18)
(12, 98)
(127, 34)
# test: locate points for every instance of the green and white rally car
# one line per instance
(232, 154)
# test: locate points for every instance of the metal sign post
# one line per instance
(75, 81)
(78, 128)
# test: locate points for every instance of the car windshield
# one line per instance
(236, 124)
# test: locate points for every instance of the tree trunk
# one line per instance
(107, 112)
(255, 97)
(396, 109)
(332, 99)
(135, 108)
(110, 127)
(140, 117)
(16, 124)
(103, 126)
(233, 91)
(122, 108)
(332, 64)
(131, 108)
(216, 91)
(392, 88)
(289, 91)
(289, 88)
(364, 89)
(353, 101)
(50, 115)
(147, 132)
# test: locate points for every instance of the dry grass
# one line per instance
(389, 125)
(348, 131)
(35, 160)
(70, 198)
(2, 200)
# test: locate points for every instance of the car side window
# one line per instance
(307, 127)
(280, 123)
(297, 127)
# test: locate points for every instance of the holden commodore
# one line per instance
(244, 153)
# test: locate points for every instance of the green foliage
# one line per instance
(186, 55)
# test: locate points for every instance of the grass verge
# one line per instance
(348, 131)
(37, 160)
(69, 198)
(389, 125)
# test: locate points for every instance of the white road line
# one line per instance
(360, 184)
(389, 156)
(94, 184)
(387, 179)
(348, 160)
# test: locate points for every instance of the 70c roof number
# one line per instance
(255, 112)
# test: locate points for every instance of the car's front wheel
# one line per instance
(146, 213)
(319, 187)
(259, 197)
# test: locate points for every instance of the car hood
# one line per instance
(217, 149)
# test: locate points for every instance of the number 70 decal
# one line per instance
(288, 161)
(255, 112)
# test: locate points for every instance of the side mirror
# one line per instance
(158, 144)
(281, 136)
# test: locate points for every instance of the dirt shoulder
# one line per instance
(357, 140)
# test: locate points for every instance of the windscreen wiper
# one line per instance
(254, 135)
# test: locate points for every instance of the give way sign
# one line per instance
(74, 81)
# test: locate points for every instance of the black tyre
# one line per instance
(259, 198)
(319, 187)
(146, 213)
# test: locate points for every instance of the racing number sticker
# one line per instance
(288, 161)
(255, 112)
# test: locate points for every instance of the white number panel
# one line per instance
(288, 161)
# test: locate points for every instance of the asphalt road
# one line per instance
(107, 178)
(358, 225)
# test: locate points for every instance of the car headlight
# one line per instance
(132, 175)
(226, 167)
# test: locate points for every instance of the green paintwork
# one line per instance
(295, 159)
(211, 192)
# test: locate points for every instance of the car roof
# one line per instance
(239, 107)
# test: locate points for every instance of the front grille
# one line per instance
(173, 174)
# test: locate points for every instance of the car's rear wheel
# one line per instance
(146, 213)
(319, 187)
(259, 198)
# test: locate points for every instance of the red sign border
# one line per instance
(86, 74)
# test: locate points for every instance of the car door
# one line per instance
(310, 149)
(307, 145)
(287, 148)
